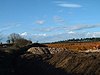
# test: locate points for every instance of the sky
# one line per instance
(50, 20)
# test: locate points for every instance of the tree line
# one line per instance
(79, 40)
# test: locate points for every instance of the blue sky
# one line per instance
(50, 20)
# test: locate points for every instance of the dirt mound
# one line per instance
(32, 60)
(44, 50)
(77, 63)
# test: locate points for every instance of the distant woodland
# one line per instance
(79, 40)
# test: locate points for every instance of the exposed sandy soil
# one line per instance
(76, 46)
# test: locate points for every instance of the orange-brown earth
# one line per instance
(76, 45)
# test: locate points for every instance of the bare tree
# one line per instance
(17, 40)
(13, 37)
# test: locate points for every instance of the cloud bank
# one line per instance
(68, 28)
(60, 36)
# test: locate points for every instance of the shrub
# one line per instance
(22, 42)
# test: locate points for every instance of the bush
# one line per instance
(17, 40)
(22, 42)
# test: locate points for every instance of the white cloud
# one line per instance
(30, 34)
(26, 34)
(39, 35)
(33, 37)
(71, 32)
(70, 5)
(67, 5)
(40, 22)
(93, 34)
(23, 34)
